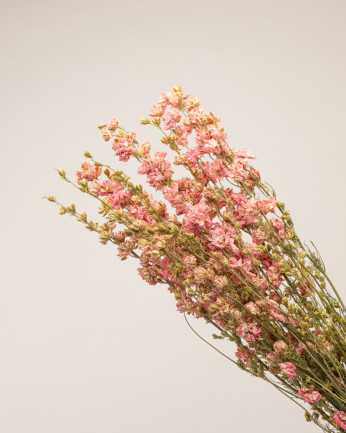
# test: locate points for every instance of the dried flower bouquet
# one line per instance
(227, 250)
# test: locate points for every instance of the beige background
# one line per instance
(86, 346)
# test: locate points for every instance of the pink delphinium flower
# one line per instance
(252, 307)
(245, 355)
(157, 110)
(113, 124)
(222, 237)
(157, 169)
(119, 198)
(280, 346)
(104, 188)
(309, 396)
(123, 148)
(277, 223)
(340, 419)
(171, 119)
(249, 331)
(89, 172)
(106, 134)
(288, 369)
(197, 216)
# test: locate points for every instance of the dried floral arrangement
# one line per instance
(227, 250)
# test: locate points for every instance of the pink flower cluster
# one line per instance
(309, 396)
(340, 419)
(219, 240)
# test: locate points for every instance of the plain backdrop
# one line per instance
(85, 345)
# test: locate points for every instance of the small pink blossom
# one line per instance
(119, 199)
(171, 119)
(123, 148)
(252, 307)
(258, 236)
(222, 237)
(157, 169)
(144, 148)
(191, 102)
(288, 369)
(89, 172)
(269, 204)
(113, 124)
(220, 281)
(277, 223)
(249, 331)
(196, 116)
(280, 346)
(309, 396)
(245, 355)
(197, 216)
(340, 419)
(104, 188)
(106, 134)
(244, 153)
(157, 110)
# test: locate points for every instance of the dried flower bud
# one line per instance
(83, 217)
(177, 89)
(145, 121)
(51, 197)
(156, 121)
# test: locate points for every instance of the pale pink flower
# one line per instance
(119, 199)
(126, 248)
(139, 213)
(193, 154)
(245, 355)
(196, 116)
(157, 110)
(222, 237)
(340, 419)
(220, 281)
(249, 331)
(309, 396)
(190, 260)
(123, 148)
(237, 172)
(113, 124)
(214, 170)
(171, 119)
(201, 274)
(288, 369)
(277, 223)
(89, 172)
(104, 188)
(280, 346)
(144, 148)
(252, 307)
(175, 100)
(157, 169)
(105, 134)
(268, 205)
(244, 153)
(191, 102)
(258, 236)
(164, 99)
(198, 215)
(272, 359)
